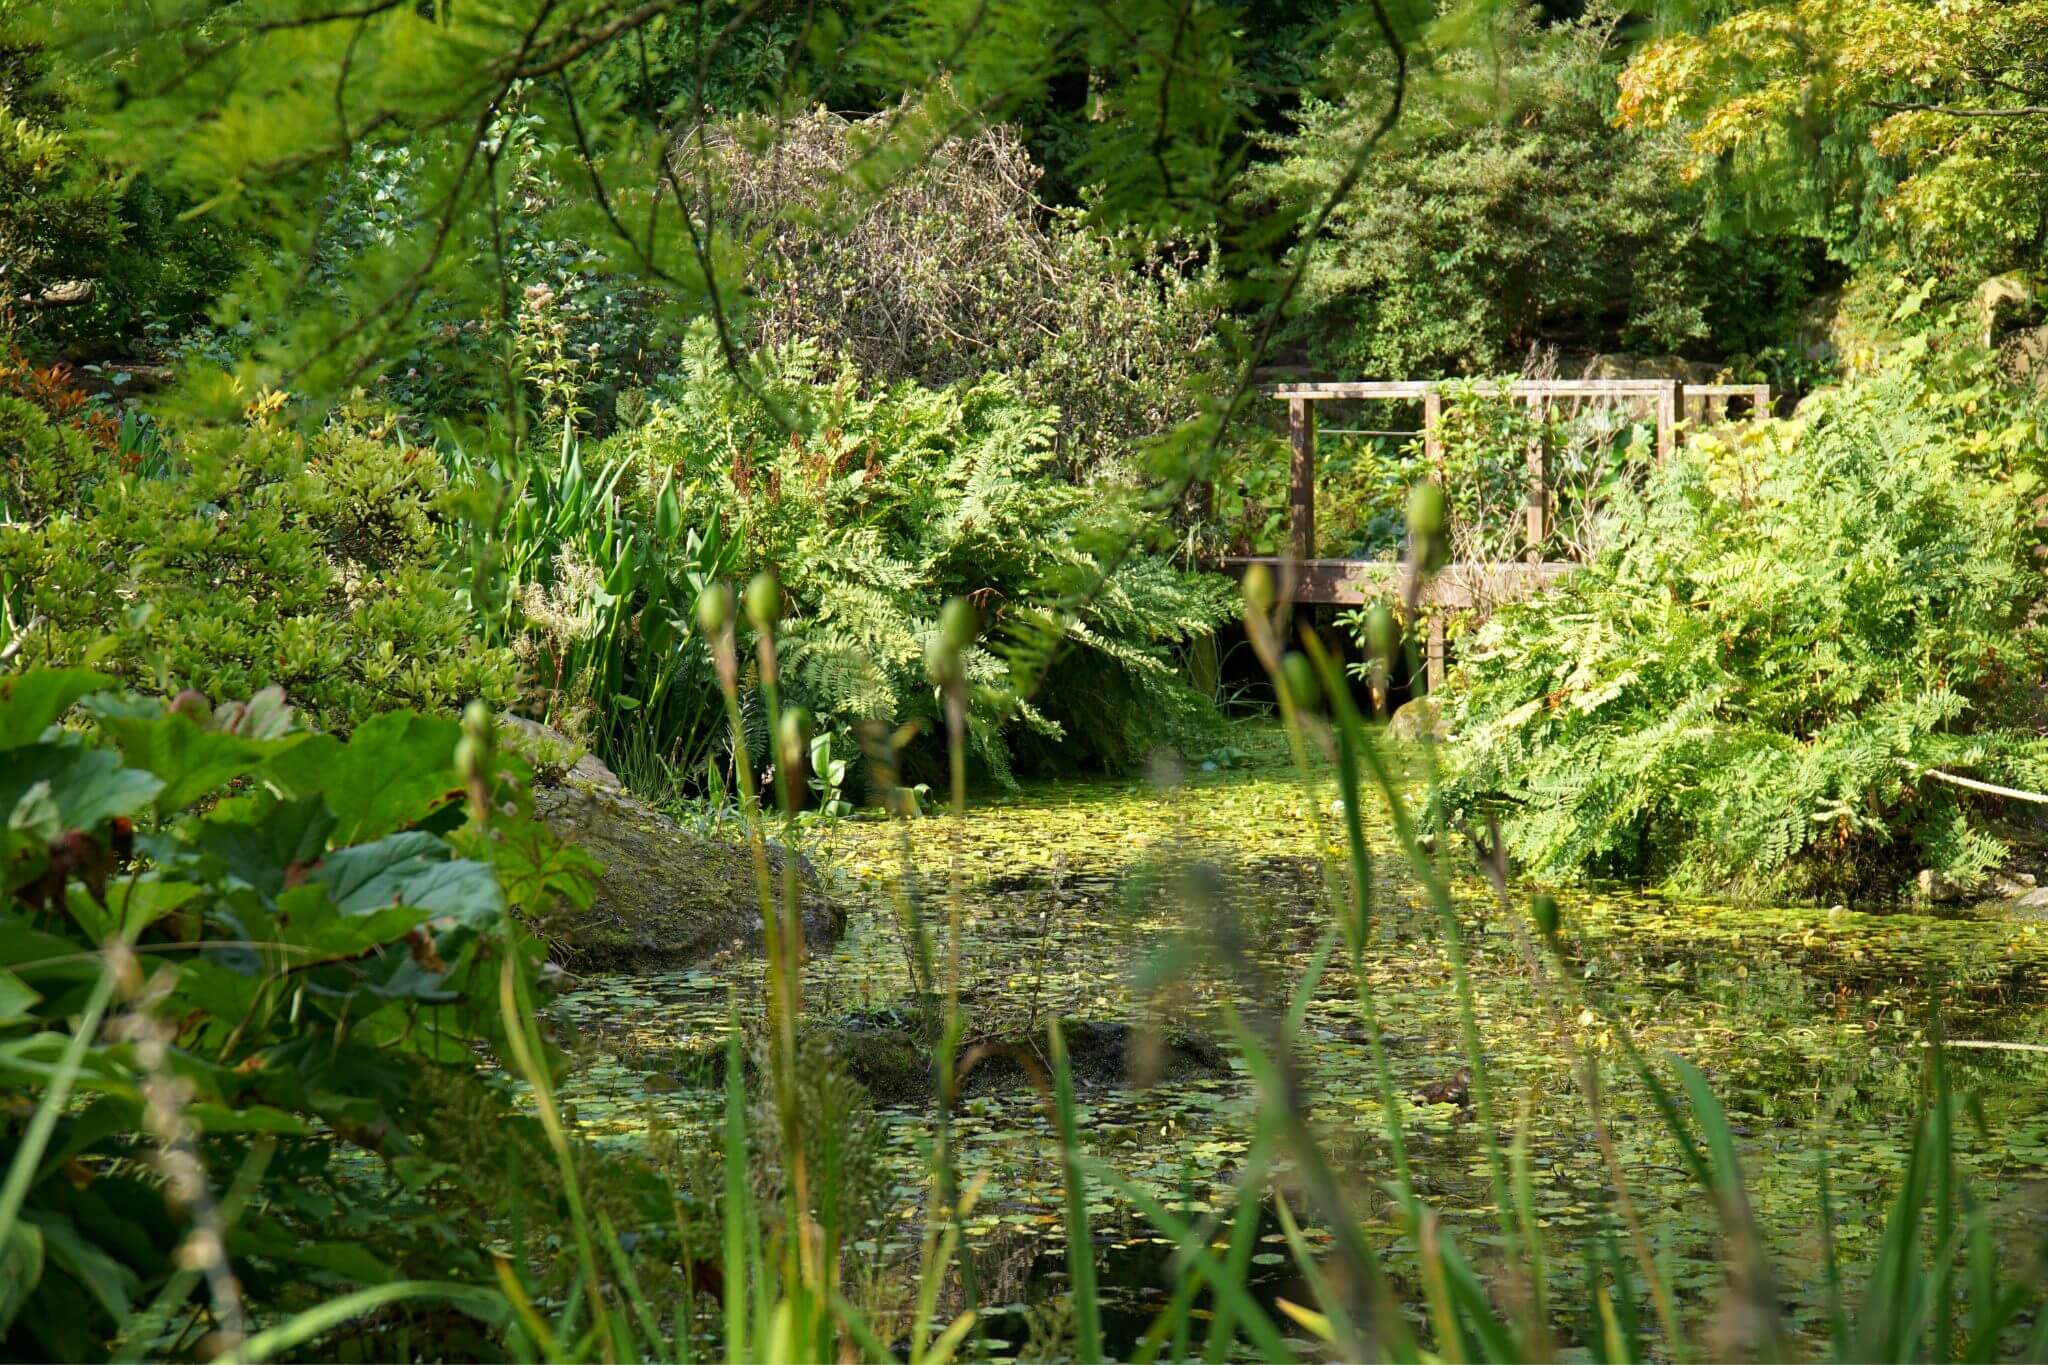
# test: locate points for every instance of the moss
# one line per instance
(667, 898)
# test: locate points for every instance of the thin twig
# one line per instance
(14, 646)
(1972, 784)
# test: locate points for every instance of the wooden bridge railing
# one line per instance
(1353, 581)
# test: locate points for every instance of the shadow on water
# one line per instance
(1077, 906)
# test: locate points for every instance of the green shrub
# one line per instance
(262, 961)
(1740, 690)
(878, 507)
(263, 558)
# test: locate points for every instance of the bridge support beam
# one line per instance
(1301, 496)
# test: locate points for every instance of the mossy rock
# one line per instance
(892, 1053)
(667, 898)
(1417, 718)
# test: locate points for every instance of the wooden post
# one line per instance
(1301, 512)
(1539, 483)
(1432, 441)
(1670, 403)
(1438, 652)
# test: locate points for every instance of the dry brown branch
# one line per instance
(948, 267)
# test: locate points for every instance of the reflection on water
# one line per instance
(1094, 901)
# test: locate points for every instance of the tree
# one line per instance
(1872, 124)
(1517, 214)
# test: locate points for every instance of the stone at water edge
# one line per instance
(667, 898)
(1414, 719)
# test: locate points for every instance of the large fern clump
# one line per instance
(1744, 690)
(874, 505)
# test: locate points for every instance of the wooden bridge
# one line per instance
(1308, 579)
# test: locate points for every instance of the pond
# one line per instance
(1170, 903)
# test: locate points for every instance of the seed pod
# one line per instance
(1258, 590)
(1300, 676)
(793, 737)
(764, 602)
(1543, 909)
(714, 608)
(958, 624)
(1427, 514)
(1382, 633)
(941, 663)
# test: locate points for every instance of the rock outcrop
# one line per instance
(667, 898)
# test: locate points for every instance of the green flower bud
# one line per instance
(472, 759)
(476, 720)
(1427, 513)
(764, 602)
(793, 736)
(1543, 909)
(1382, 633)
(958, 624)
(1258, 590)
(941, 663)
(714, 608)
(1300, 676)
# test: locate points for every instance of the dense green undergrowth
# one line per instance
(1745, 688)
(247, 972)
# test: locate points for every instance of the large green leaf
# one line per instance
(105, 1278)
(250, 1118)
(30, 701)
(396, 770)
(46, 789)
(133, 904)
(44, 957)
(88, 786)
(318, 930)
(191, 760)
(261, 851)
(412, 869)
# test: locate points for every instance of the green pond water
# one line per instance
(1084, 900)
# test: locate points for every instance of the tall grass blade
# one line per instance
(1080, 1239)
(317, 1322)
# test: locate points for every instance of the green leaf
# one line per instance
(21, 1270)
(87, 786)
(261, 851)
(394, 772)
(31, 701)
(191, 760)
(255, 1118)
(138, 902)
(318, 930)
(412, 869)
(346, 1259)
(105, 1278)
(17, 997)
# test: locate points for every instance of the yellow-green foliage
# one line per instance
(263, 558)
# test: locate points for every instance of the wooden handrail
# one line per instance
(1348, 581)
